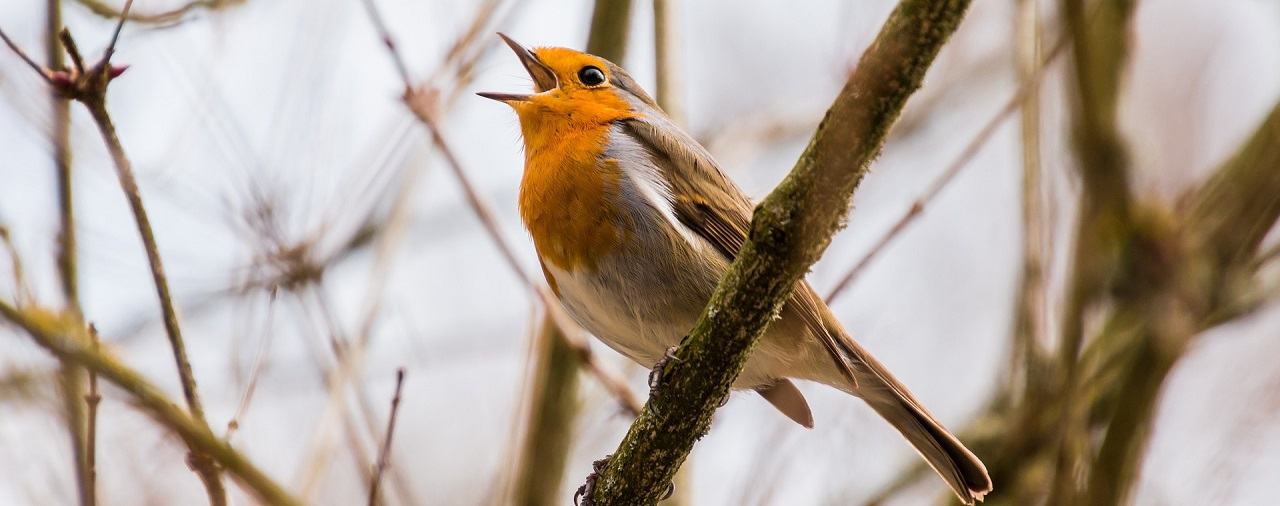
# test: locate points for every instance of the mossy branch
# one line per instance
(789, 232)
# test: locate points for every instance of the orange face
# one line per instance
(582, 96)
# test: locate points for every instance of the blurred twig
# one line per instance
(92, 399)
(667, 50)
(385, 452)
(610, 24)
(789, 231)
(1027, 87)
(1099, 48)
(548, 432)
(69, 340)
(156, 18)
(81, 409)
(255, 372)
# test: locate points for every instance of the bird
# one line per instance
(634, 223)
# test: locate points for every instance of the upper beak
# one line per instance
(543, 78)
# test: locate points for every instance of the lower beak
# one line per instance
(504, 97)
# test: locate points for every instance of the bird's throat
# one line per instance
(569, 193)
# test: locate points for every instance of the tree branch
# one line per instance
(789, 231)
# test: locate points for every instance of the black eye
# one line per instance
(591, 76)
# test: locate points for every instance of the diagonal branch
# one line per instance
(70, 341)
(790, 230)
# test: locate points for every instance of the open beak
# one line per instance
(543, 78)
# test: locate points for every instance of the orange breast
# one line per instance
(568, 198)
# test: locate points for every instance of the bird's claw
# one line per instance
(584, 492)
(655, 374)
(582, 497)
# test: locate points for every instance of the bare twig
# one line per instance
(115, 36)
(207, 470)
(81, 408)
(45, 73)
(422, 103)
(1029, 86)
(92, 399)
(385, 452)
(255, 372)
(376, 17)
(158, 18)
(21, 289)
(73, 51)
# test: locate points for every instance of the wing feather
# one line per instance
(709, 203)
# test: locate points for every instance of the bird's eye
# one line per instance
(591, 76)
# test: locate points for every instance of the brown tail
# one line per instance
(962, 471)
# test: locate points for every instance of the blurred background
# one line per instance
(316, 241)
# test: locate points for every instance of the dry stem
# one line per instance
(385, 452)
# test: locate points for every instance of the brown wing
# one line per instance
(710, 204)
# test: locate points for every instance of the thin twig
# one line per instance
(159, 18)
(81, 408)
(385, 452)
(1030, 85)
(73, 51)
(422, 103)
(208, 472)
(115, 36)
(92, 399)
(381, 28)
(255, 372)
(22, 291)
(45, 73)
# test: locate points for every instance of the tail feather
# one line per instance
(860, 374)
(960, 468)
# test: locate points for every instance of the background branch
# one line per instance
(70, 341)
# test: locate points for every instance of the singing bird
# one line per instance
(635, 223)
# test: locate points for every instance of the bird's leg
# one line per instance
(655, 375)
(584, 492)
(583, 496)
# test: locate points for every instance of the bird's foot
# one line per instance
(583, 496)
(655, 374)
(584, 492)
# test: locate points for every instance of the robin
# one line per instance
(635, 223)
